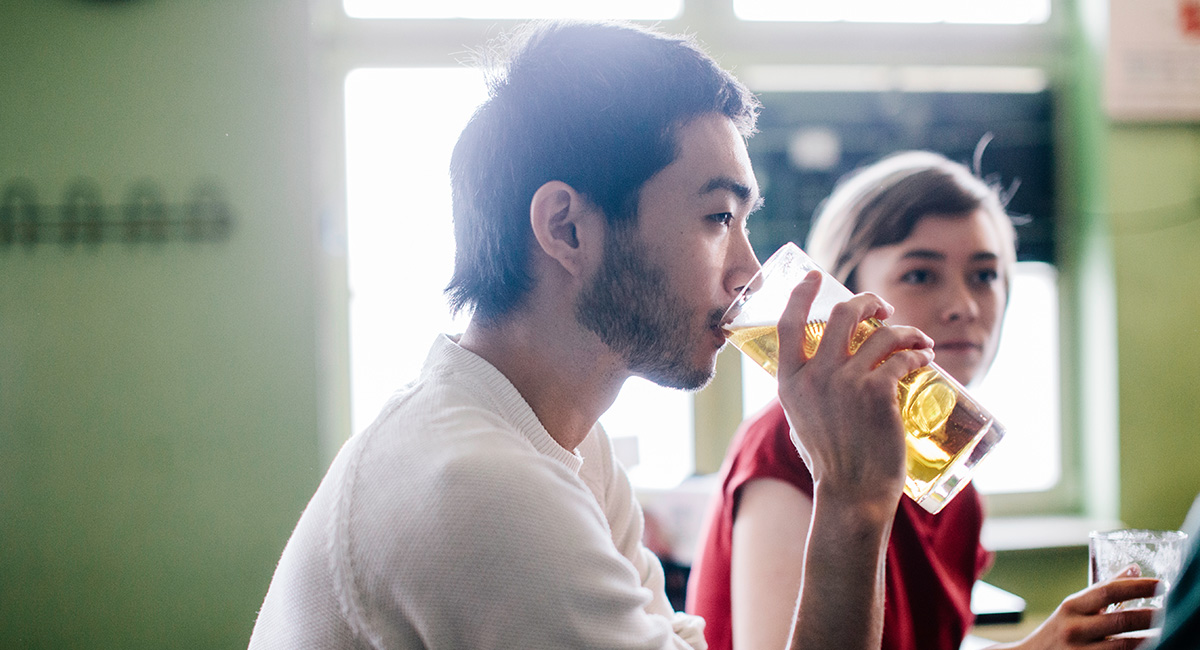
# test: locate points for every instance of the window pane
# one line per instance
(896, 11)
(401, 251)
(400, 239)
(1021, 389)
(660, 420)
(496, 9)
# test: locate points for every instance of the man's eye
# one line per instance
(723, 218)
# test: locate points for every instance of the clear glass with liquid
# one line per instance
(947, 433)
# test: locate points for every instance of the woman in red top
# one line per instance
(933, 240)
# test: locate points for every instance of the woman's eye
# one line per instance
(987, 276)
(917, 276)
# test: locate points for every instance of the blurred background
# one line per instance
(224, 230)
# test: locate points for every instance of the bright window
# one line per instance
(1021, 389)
(400, 239)
(491, 9)
(895, 11)
(401, 251)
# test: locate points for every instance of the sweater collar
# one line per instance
(447, 356)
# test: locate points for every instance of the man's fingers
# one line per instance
(845, 320)
(903, 362)
(886, 343)
(791, 323)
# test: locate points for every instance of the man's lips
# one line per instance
(719, 333)
(717, 322)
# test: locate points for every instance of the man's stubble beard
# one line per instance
(630, 305)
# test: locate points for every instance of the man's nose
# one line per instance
(743, 265)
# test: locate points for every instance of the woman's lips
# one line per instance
(958, 346)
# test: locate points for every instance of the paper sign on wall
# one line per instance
(1153, 67)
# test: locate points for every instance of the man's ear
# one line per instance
(567, 226)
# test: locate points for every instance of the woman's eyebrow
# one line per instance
(923, 254)
(930, 254)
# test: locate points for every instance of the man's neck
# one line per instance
(564, 373)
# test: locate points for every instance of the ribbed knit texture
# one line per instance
(456, 521)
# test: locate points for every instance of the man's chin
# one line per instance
(689, 379)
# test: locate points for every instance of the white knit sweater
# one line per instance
(456, 521)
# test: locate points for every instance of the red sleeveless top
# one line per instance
(932, 560)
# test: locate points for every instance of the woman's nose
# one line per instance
(961, 304)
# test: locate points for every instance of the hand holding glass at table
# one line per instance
(1129, 575)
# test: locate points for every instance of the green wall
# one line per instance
(160, 405)
(1141, 198)
(158, 402)
(1131, 206)
(1154, 194)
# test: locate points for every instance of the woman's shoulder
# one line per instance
(762, 448)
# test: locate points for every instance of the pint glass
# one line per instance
(947, 433)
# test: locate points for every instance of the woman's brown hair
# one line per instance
(880, 204)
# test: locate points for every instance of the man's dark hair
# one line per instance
(594, 105)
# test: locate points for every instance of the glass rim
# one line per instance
(1138, 535)
(766, 267)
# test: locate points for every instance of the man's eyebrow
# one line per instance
(742, 191)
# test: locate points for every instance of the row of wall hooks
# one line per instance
(82, 218)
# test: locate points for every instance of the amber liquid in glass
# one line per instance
(939, 426)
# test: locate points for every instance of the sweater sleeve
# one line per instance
(607, 479)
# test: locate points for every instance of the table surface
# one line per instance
(993, 605)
